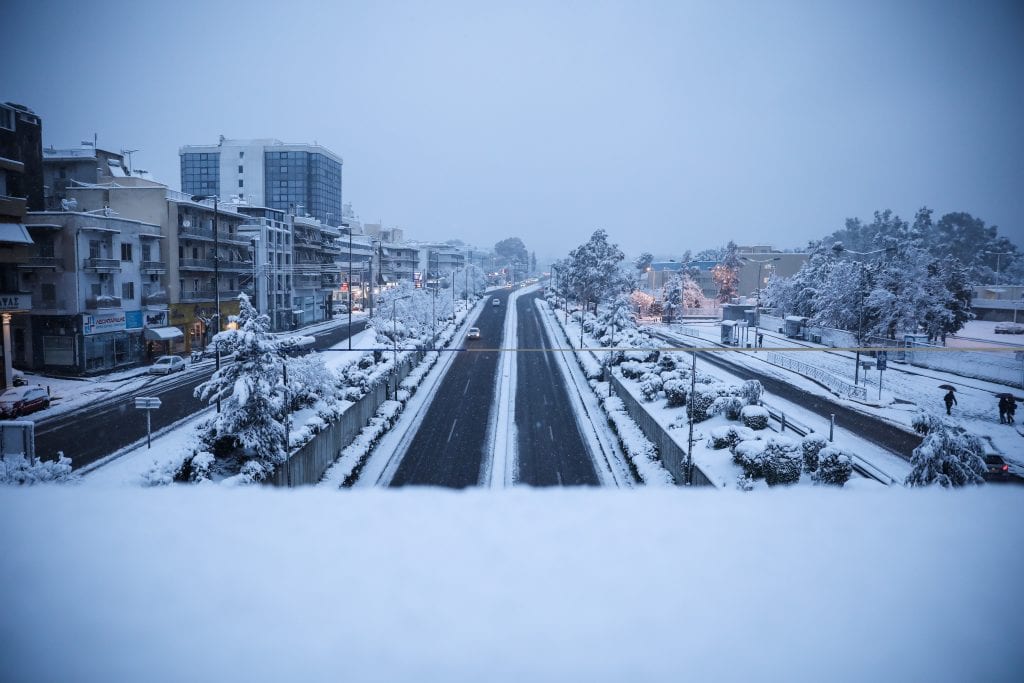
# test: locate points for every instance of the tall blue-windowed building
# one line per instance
(298, 179)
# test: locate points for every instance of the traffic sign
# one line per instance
(147, 403)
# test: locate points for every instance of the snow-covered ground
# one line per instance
(203, 583)
(984, 330)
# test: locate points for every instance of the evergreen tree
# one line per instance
(593, 270)
(252, 396)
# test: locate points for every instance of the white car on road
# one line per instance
(165, 365)
(495, 301)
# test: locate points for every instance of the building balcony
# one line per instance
(102, 264)
(204, 264)
(40, 262)
(156, 298)
(153, 267)
(13, 206)
(194, 232)
(210, 294)
(95, 303)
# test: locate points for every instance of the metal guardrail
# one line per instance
(841, 387)
(860, 465)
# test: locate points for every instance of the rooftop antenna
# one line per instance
(128, 153)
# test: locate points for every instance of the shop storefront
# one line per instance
(197, 322)
(108, 343)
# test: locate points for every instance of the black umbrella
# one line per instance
(947, 386)
(1009, 396)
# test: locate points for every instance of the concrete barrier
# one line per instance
(306, 465)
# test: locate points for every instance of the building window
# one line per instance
(241, 183)
(6, 118)
(49, 294)
(128, 290)
(241, 155)
(126, 251)
(241, 169)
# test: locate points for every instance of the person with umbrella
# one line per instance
(949, 398)
(1011, 409)
(1002, 409)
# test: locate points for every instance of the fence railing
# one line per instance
(841, 387)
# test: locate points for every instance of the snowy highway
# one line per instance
(450, 447)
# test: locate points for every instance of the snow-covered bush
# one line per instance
(780, 461)
(650, 385)
(675, 391)
(834, 467)
(15, 469)
(642, 454)
(948, 456)
(633, 369)
(702, 399)
(811, 446)
(729, 435)
(670, 361)
(748, 454)
(754, 417)
(751, 392)
(309, 380)
(730, 406)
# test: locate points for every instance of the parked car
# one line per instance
(996, 468)
(23, 400)
(165, 365)
(1009, 328)
(495, 301)
(357, 307)
(474, 333)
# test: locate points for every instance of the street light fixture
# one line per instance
(998, 255)
(394, 339)
(860, 310)
(216, 273)
(757, 305)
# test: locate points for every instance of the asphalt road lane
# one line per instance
(551, 450)
(95, 431)
(449, 447)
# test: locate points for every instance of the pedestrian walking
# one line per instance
(760, 340)
(950, 400)
(1011, 409)
(1002, 410)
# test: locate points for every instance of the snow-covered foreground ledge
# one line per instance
(202, 583)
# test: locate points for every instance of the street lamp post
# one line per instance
(255, 272)
(216, 274)
(349, 287)
(394, 339)
(998, 255)
(860, 310)
(757, 305)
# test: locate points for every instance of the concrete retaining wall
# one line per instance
(672, 455)
(306, 465)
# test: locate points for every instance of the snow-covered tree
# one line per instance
(641, 301)
(250, 389)
(593, 272)
(948, 456)
(413, 311)
(643, 261)
(726, 273)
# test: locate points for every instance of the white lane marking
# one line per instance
(551, 433)
(467, 386)
(452, 430)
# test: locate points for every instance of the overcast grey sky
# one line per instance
(673, 125)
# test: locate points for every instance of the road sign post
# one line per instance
(149, 404)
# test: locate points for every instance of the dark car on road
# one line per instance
(996, 469)
(23, 400)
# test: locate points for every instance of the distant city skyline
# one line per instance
(673, 126)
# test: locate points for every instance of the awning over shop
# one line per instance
(162, 334)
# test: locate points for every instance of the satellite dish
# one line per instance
(186, 223)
